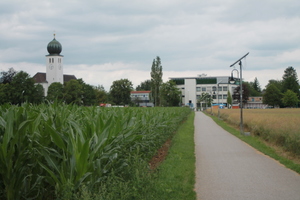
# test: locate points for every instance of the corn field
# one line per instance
(51, 151)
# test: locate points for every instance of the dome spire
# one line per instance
(54, 47)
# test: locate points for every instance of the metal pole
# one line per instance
(218, 101)
(241, 99)
(241, 91)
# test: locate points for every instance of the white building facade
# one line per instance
(217, 87)
(141, 98)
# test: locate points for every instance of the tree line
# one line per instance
(278, 93)
(18, 87)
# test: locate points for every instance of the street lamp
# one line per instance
(241, 91)
(218, 99)
(231, 80)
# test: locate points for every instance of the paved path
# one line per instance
(227, 168)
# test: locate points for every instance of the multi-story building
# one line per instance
(141, 98)
(216, 86)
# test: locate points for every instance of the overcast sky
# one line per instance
(107, 40)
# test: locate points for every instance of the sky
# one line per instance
(107, 40)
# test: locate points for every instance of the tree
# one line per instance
(272, 95)
(229, 99)
(254, 88)
(55, 92)
(120, 91)
(206, 98)
(38, 97)
(170, 94)
(101, 94)
(88, 95)
(256, 85)
(73, 92)
(290, 99)
(156, 80)
(236, 93)
(22, 89)
(4, 88)
(290, 80)
(7, 77)
(276, 83)
(144, 86)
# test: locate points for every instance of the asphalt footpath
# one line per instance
(229, 169)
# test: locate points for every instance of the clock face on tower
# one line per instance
(50, 67)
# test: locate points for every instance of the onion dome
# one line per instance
(54, 47)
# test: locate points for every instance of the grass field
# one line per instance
(279, 127)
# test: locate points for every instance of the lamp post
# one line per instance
(218, 99)
(241, 92)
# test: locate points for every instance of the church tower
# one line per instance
(54, 63)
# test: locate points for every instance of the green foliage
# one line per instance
(144, 86)
(156, 80)
(120, 91)
(206, 98)
(101, 94)
(272, 96)
(290, 80)
(55, 92)
(229, 98)
(176, 178)
(6, 77)
(22, 89)
(4, 93)
(290, 99)
(170, 94)
(246, 93)
(254, 88)
(52, 151)
(73, 92)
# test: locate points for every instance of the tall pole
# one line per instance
(241, 92)
(241, 99)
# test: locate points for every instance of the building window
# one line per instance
(198, 89)
(219, 96)
(203, 89)
(220, 88)
(214, 96)
(198, 97)
(52, 60)
(225, 96)
(49, 60)
(225, 88)
(214, 88)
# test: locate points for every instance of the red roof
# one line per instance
(136, 92)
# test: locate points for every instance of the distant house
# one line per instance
(252, 103)
(255, 102)
(54, 67)
(141, 98)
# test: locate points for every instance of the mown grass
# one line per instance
(257, 142)
(176, 175)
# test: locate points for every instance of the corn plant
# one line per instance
(50, 151)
